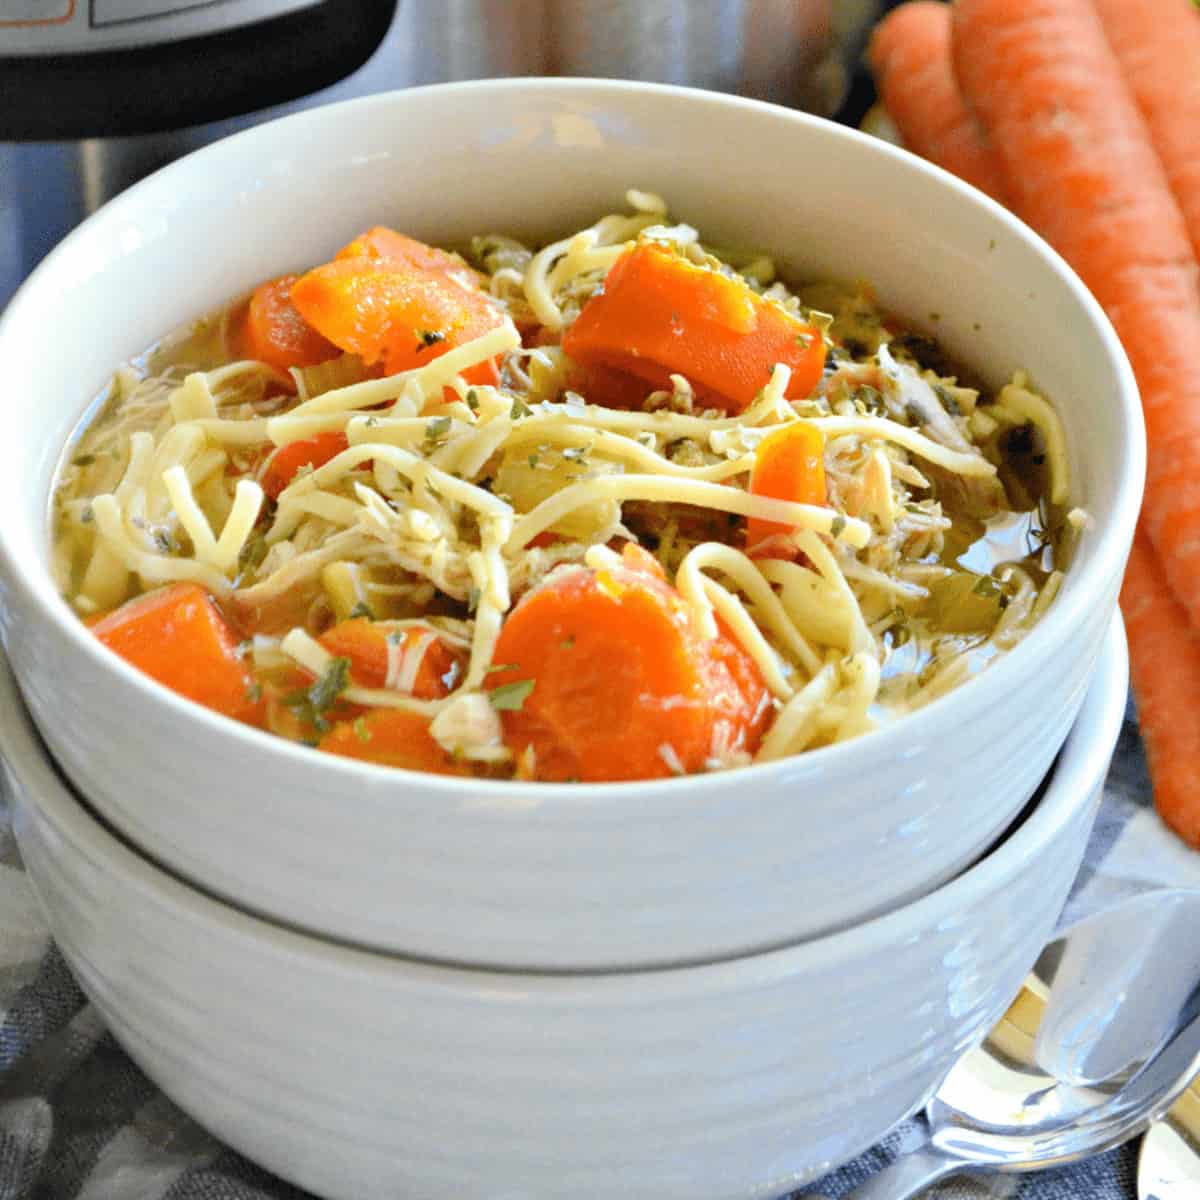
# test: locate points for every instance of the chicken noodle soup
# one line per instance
(621, 507)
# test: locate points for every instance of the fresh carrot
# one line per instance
(386, 310)
(373, 649)
(789, 464)
(604, 676)
(178, 636)
(1157, 43)
(1165, 665)
(392, 739)
(281, 467)
(1079, 168)
(660, 314)
(271, 330)
(910, 57)
(382, 242)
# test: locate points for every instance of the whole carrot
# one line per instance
(1079, 167)
(1165, 661)
(910, 58)
(1157, 43)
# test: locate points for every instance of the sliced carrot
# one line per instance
(313, 452)
(388, 311)
(1165, 665)
(1079, 167)
(178, 636)
(382, 242)
(274, 332)
(660, 314)
(392, 739)
(910, 58)
(366, 644)
(789, 464)
(615, 682)
(1157, 43)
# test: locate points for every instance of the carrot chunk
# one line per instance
(614, 681)
(659, 314)
(789, 464)
(382, 242)
(177, 636)
(386, 310)
(366, 644)
(312, 452)
(392, 739)
(274, 332)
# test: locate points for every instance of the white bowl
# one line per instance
(362, 1076)
(545, 876)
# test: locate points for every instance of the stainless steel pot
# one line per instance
(794, 52)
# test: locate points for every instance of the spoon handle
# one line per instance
(907, 1176)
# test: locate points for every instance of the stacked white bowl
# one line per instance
(371, 979)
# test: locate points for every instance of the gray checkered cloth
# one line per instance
(78, 1121)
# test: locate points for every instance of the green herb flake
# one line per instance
(519, 408)
(472, 599)
(84, 460)
(567, 643)
(163, 542)
(473, 400)
(837, 525)
(575, 454)
(362, 609)
(949, 403)
(502, 667)
(986, 586)
(360, 729)
(510, 697)
(532, 460)
(254, 692)
(427, 338)
(437, 429)
(395, 637)
(324, 693)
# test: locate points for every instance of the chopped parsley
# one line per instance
(509, 697)
(312, 703)
(533, 461)
(472, 599)
(473, 400)
(362, 609)
(427, 338)
(84, 460)
(519, 408)
(837, 524)
(575, 454)
(254, 692)
(360, 729)
(437, 429)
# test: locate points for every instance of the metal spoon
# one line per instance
(1169, 1161)
(1102, 1040)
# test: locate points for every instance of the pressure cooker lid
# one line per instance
(74, 69)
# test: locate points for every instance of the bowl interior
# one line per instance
(536, 158)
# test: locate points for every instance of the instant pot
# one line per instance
(94, 94)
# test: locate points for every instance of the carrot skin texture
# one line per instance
(178, 636)
(313, 452)
(789, 464)
(909, 55)
(659, 314)
(386, 310)
(1079, 167)
(273, 331)
(365, 644)
(1157, 43)
(1165, 665)
(392, 739)
(619, 673)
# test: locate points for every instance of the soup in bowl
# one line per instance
(597, 577)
